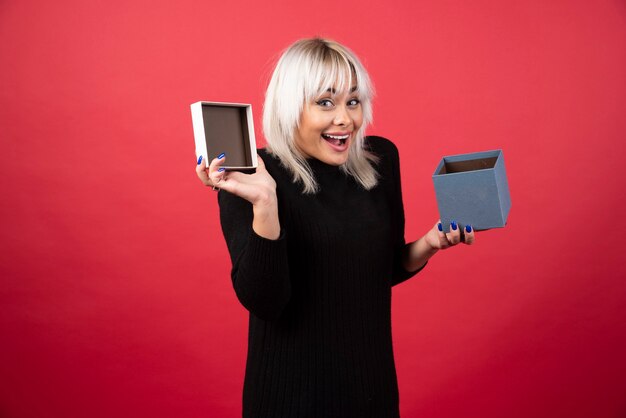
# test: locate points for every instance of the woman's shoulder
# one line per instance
(264, 153)
(384, 149)
(274, 166)
(380, 146)
(272, 162)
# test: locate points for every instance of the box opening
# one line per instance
(226, 131)
(450, 167)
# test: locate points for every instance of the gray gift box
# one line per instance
(473, 189)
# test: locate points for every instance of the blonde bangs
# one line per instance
(332, 74)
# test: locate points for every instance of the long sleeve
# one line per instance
(260, 271)
(391, 175)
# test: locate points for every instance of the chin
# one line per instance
(336, 159)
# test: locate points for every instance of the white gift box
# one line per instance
(225, 128)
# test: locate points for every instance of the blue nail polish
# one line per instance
(222, 155)
(454, 226)
(440, 227)
(221, 169)
(468, 228)
(199, 159)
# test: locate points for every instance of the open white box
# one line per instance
(225, 128)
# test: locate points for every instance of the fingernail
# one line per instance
(222, 155)
(453, 224)
(468, 228)
(221, 169)
(440, 227)
(199, 159)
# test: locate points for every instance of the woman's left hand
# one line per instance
(440, 240)
(417, 253)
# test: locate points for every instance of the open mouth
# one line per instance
(336, 140)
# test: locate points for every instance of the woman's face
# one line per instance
(328, 127)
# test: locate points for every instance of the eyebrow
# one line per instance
(333, 91)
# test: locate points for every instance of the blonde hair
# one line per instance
(306, 70)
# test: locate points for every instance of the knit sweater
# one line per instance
(319, 296)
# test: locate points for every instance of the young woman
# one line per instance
(316, 239)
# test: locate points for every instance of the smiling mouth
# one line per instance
(336, 140)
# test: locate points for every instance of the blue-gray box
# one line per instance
(472, 189)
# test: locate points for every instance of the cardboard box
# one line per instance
(225, 128)
(473, 189)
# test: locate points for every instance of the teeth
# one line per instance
(337, 136)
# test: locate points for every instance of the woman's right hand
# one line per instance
(259, 189)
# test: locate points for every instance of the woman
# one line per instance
(316, 238)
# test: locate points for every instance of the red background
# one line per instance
(115, 292)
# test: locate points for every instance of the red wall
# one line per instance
(115, 292)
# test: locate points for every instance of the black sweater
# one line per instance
(319, 297)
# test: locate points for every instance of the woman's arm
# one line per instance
(251, 227)
(411, 258)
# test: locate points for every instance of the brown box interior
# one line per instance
(450, 167)
(226, 131)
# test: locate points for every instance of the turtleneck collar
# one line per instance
(321, 167)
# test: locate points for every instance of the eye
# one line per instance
(325, 102)
(354, 102)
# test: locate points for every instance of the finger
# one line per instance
(261, 163)
(202, 172)
(469, 235)
(443, 239)
(217, 162)
(454, 236)
(216, 171)
(218, 176)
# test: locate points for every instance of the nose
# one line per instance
(342, 117)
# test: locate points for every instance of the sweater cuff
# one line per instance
(402, 275)
(262, 278)
(264, 251)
